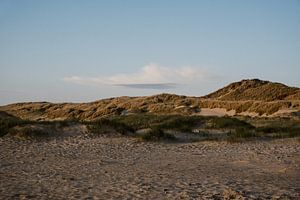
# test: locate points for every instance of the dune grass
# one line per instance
(29, 132)
(7, 123)
(279, 132)
(229, 122)
(161, 125)
(106, 126)
(241, 134)
(157, 134)
(179, 122)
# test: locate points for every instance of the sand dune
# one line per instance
(247, 97)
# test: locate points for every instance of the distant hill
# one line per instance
(159, 104)
(255, 89)
(247, 97)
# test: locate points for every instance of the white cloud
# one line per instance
(151, 76)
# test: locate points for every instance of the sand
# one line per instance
(81, 167)
(215, 112)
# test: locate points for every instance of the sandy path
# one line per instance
(122, 168)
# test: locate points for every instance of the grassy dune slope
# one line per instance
(263, 98)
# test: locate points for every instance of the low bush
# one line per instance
(240, 134)
(141, 121)
(279, 132)
(180, 123)
(7, 123)
(171, 122)
(104, 126)
(160, 124)
(58, 123)
(229, 122)
(156, 135)
(32, 131)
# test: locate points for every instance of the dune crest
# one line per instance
(247, 97)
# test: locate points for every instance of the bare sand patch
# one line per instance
(215, 112)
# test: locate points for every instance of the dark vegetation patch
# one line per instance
(275, 127)
(161, 127)
(7, 123)
(164, 126)
(241, 134)
(179, 122)
(228, 123)
(107, 126)
(157, 134)
(16, 126)
(31, 132)
(171, 122)
(279, 131)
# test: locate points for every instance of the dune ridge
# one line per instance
(252, 97)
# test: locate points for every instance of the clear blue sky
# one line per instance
(76, 51)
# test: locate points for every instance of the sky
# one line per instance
(81, 51)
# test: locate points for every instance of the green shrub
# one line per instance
(58, 123)
(156, 135)
(240, 134)
(141, 121)
(104, 126)
(179, 123)
(7, 123)
(29, 132)
(279, 132)
(172, 122)
(229, 122)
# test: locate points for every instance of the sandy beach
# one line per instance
(81, 167)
